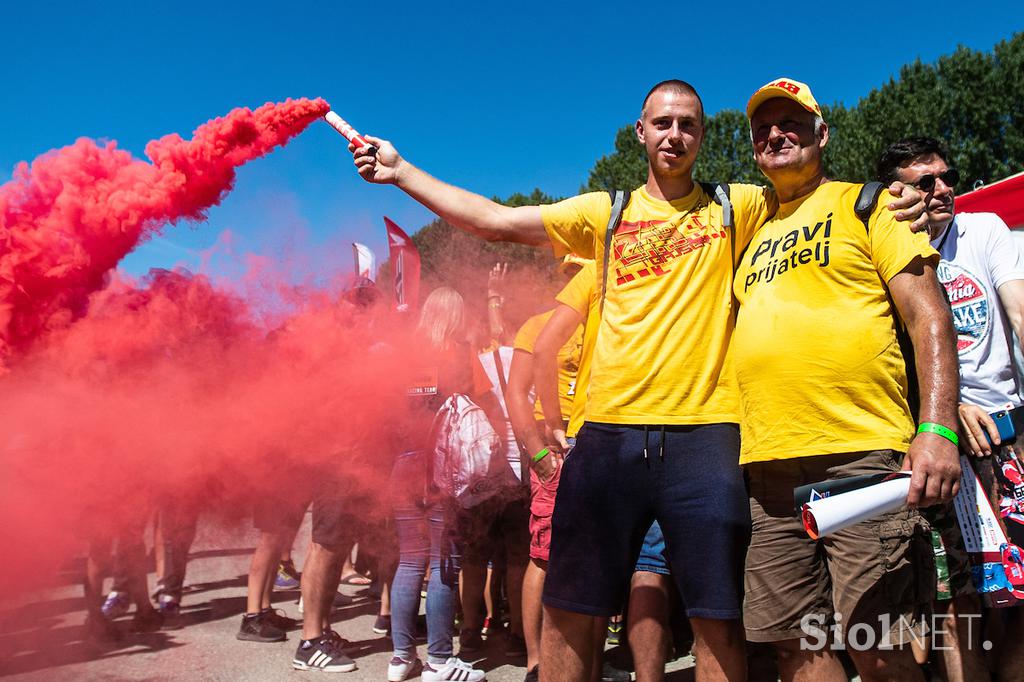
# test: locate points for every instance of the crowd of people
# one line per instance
(714, 347)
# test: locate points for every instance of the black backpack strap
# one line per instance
(500, 369)
(866, 200)
(619, 198)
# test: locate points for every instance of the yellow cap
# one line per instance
(784, 87)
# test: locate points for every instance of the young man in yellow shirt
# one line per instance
(824, 395)
(662, 414)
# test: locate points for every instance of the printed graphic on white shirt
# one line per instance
(970, 302)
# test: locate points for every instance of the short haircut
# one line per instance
(674, 85)
(903, 152)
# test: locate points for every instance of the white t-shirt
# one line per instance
(512, 447)
(978, 255)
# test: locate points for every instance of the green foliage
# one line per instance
(726, 154)
(625, 168)
(973, 101)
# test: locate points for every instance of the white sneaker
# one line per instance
(453, 670)
(399, 668)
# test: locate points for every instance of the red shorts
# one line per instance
(542, 505)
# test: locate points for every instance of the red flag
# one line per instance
(405, 266)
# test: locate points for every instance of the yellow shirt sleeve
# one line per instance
(578, 292)
(893, 245)
(752, 206)
(526, 337)
(575, 225)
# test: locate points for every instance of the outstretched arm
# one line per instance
(933, 459)
(473, 213)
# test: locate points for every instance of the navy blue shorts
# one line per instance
(689, 480)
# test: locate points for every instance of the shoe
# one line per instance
(170, 611)
(491, 628)
(287, 577)
(115, 605)
(336, 638)
(382, 625)
(614, 632)
(280, 621)
(515, 646)
(533, 674)
(399, 668)
(256, 627)
(610, 673)
(453, 670)
(147, 621)
(168, 605)
(323, 653)
(470, 641)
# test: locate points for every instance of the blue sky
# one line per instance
(498, 99)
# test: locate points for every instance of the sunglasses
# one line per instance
(927, 182)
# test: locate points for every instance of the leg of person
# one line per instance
(474, 527)
(1009, 659)
(97, 566)
(442, 588)
(413, 537)
(320, 647)
(178, 519)
(275, 524)
(960, 648)
(788, 600)
(542, 505)
(514, 531)
(602, 512)
(445, 559)
(647, 622)
(957, 620)
(262, 569)
(883, 579)
(702, 505)
(130, 561)
(533, 587)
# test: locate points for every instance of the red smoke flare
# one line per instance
(70, 217)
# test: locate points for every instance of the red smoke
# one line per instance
(70, 217)
(120, 393)
(171, 389)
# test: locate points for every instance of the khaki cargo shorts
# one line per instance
(878, 575)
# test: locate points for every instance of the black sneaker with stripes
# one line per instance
(323, 653)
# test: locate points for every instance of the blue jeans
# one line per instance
(423, 540)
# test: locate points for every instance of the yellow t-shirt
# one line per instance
(581, 295)
(661, 349)
(568, 360)
(815, 351)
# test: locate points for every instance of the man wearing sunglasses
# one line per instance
(983, 272)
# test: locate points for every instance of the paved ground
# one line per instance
(41, 637)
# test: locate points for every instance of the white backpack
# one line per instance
(469, 461)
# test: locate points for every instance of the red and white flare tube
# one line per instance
(347, 131)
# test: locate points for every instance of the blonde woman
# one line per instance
(447, 365)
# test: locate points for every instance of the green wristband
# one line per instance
(939, 430)
(541, 455)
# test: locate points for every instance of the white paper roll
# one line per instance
(830, 514)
